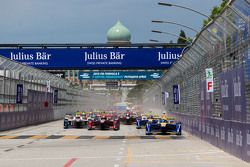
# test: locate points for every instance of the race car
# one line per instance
(104, 122)
(168, 126)
(76, 120)
(79, 121)
(128, 118)
(68, 121)
(141, 121)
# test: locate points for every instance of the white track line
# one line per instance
(106, 157)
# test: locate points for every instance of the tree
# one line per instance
(182, 38)
(215, 12)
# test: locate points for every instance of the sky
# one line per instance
(87, 21)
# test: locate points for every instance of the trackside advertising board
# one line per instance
(96, 58)
(209, 80)
(120, 75)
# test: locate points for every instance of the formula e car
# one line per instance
(104, 122)
(68, 121)
(141, 121)
(77, 120)
(128, 118)
(168, 126)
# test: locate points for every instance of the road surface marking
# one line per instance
(112, 157)
(38, 137)
(101, 137)
(116, 165)
(122, 148)
(70, 162)
(162, 137)
(8, 137)
(69, 137)
(132, 137)
(129, 156)
(120, 153)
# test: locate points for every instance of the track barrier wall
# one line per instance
(221, 117)
(29, 96)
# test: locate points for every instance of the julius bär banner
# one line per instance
(96, 58)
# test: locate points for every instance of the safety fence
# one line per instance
(30, 96)
(217, 110)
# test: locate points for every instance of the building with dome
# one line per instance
(118, 34)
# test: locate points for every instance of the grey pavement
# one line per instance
(188, 151)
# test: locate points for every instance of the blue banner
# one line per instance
(19, 94)
(55, 96)
(176, 94)
(120, 75)
(96, 58)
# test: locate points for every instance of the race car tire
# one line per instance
(149, 133)
(178, 134)
(102, 127)
(116, 129)
(138, 127)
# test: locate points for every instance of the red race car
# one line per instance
(128, 118)
(104, 121)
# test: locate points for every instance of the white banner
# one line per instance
(209, 80)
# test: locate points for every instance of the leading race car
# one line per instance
(76, 120)
(168, 126)
(104, 122)
(68, 121)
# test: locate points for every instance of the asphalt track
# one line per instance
(49, 145)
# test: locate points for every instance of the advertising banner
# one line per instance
(58, 74)
(55, 96)
(120, 75)
(96, 58)
(233, 101)
(226, 86)
(176, 94)
(164, 98)
(19, 94)
(209, 80)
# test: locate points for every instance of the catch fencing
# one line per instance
(30, 96)
(221, 117)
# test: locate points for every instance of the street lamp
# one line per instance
(162, 32)
(171, 22)
(193, 10)
(182, 25)
(184, 7)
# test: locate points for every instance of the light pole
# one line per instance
(185, 26)
(195, 11)
(162, 32)
(178, 24)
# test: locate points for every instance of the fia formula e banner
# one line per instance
(120, 75)
(96, 58)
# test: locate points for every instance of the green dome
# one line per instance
(118, 33)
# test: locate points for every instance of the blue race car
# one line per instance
(141, 121)
(163, 126)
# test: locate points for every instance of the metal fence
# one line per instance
(31, 96)
(223, 116)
